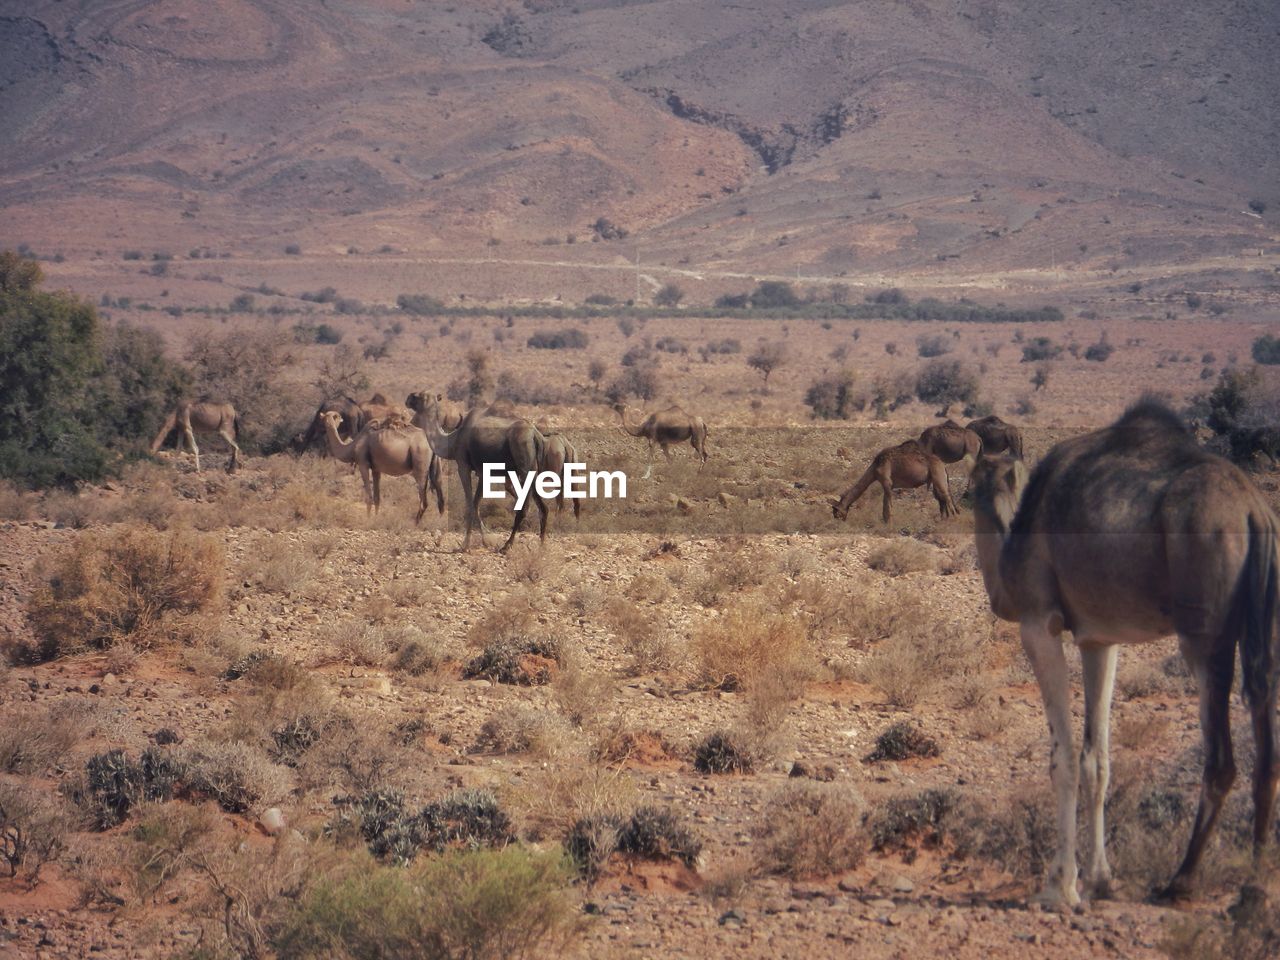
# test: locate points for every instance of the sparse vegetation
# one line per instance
(570, 338)
(812, 830)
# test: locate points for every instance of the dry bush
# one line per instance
(523, 661)
(357, 757)
(726, 574)
(1248, 931)
(749, 643)
(236, 775)
(858, 613)
(551, 798)
(588, 599)
(280, 565)
(644, 636)
(903, 741)
(357, 642)
(34, 740)
(15, 503)
(483, 905)
(911, 663)
(510, 617)
(129, 585)
(1138, 678)
(580, 692)
(902, 556)
(1143, 732)
(517, 728)
(164, 838)
(724, 751)
(416, 653)
(33, 829)
(650, 586)
(406, 593)
(812, 830)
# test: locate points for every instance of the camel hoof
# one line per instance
(1172, 895)
(1101, 890)
(1057, 899)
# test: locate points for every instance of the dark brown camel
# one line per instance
(952, 443)
(1127, 535)
(997, 436)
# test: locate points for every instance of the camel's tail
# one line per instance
(1259, 657)
(1015, 444)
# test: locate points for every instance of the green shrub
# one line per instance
(932, 346)
(1266, 349)
(772, 295)
(570, 338)
(833, 398)
(1100, 351)
(481, 905)
(945, 382)
(669, 296)
(463, 818)
(419, 304)
(1242, 411)
(1039, 349)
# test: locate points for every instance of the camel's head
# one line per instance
(998, 482)
(416, 401)
(331, 418)
(839, 512)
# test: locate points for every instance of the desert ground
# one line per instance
(887, 790)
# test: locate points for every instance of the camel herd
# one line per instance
(1121, 536)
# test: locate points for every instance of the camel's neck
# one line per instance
(635, 431)
(442, 444)
(991, 530)
(341, 450)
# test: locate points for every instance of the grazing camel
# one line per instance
(997, 436)
(904, 467)
(952, 443)
(392, 448)
(559, 451)
(1126, 535)
(665, 427)
(192, 418)
(485, 436)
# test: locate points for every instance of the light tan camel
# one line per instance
(665, 427)
(192, 418)
(389, 447)
(1127, 535)
(903, 467)
(997, 436)
(559, 451)
(448, 414)
(486, 437)
(952, 443)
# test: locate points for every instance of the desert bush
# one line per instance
(932, 346)
(35, 739)
(1040, 349)
(281, 566)
(243, 367)
(1100, 351)
(580, 691)
(811, 830)
(902, 556)
(773, 295)
(481, 904)
(236, 776)
(767, 357)
(644, 636)
(517, 728)
(725, 751)
(113, 784)
(832, 397)
(945, 382)
(671, 345)
(902, 741)
(726, 346)
(1242, 411)
(15, 503)
(1266, 349)
(908, 818)
(750, 643)
(417, 654)
(669, 295)
(463, 818)
(910, 663)
(33, 829)
(1247, 931)
(640, 380)
(419, 304)
(127, 586)
(525, 661)
(570, 338)
(357, 641)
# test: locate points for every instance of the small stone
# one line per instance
(272, 821)
(902, 885)
(734, 916)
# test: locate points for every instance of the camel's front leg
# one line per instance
(464, 481)
(367, 481)
(1043, 646)
(1099, 664)
(887, 512)
(228, 436)
(190, 437)
(648, 470)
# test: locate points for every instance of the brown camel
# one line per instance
(1126, 535)
(665, 427)
(997, 435)
(389, 447)
(952, 443)
(559, 451)
(192, 418)
(448, 414)
(904, 467)
(485, 437)
(353, 419)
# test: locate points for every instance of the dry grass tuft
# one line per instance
(645, 637)
(812, 830)
(912, 663)
(35, 740)
(517, 728)
(280, 565)
(904, 555)
(129, 585)
(752, 643)
(549, 800)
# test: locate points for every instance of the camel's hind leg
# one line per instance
(189, 435)
(226, 433)
(1043, 645)
(367, 481)
(888, 500)
(648, 470)
(1266, 772)
(1214, 672)
(170, 422)
(1099, 663)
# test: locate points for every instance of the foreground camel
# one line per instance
(390, 447)
(192, 418)
(952, 443)
(904, 467)
(665, 427)
(489, 436)
(1126, 535)
(997, 436)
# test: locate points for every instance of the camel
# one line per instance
(352, 416)
(997, 436)
(559, 451)
(1126, 535)
(390, 447)
(487, 437)
(952, 443)
(904, 467)
(664, 428)
(448, 414)
(205, 417)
